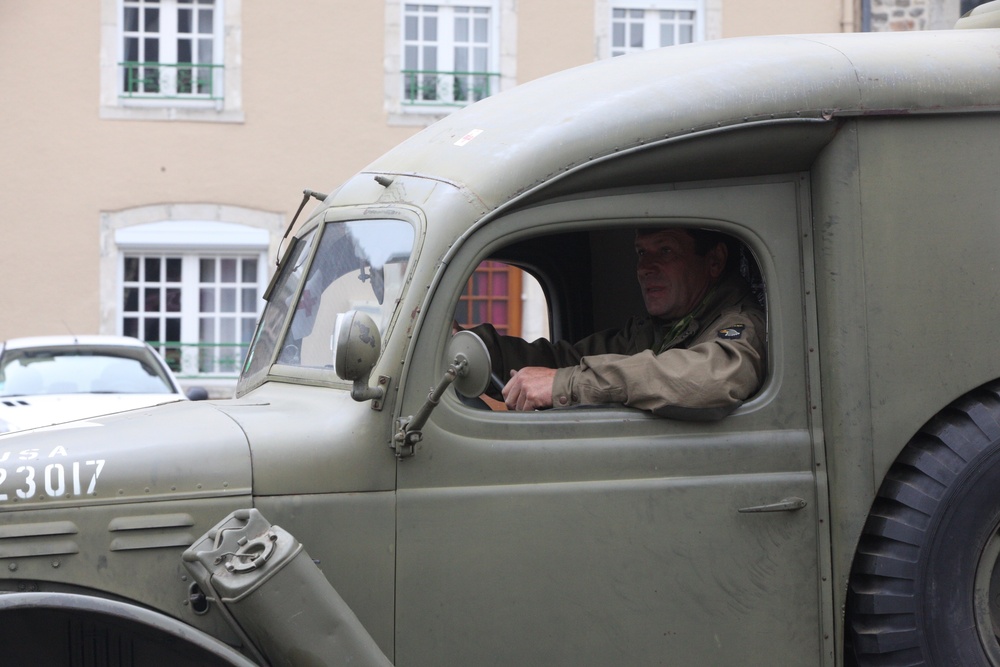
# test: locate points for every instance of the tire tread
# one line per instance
(881, 601)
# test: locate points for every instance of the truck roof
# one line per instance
(509, 143)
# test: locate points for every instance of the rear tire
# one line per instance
(925, 585)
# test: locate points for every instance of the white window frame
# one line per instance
(217, 352)
(167, 74)
(444, 45)
(502, 46)
(227, 81)
(707, 20)
(192, 232)
(214, 241)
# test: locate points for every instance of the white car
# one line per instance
(53, 379)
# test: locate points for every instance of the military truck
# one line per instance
(355, 503)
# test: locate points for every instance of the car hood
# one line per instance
(23, 412)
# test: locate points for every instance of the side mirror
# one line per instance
(196, 394)
(357, 345)
(474, 376)
(467, 366)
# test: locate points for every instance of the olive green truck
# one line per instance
(356, 503)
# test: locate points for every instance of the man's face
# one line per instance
(673, 278)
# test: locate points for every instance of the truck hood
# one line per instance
(175, 451)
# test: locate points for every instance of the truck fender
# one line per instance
(106, 631)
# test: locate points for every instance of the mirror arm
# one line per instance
(410, 430)
(361, 392)
(356, 345)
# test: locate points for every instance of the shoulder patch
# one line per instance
(732, 333)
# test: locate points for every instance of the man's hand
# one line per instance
(529, 388)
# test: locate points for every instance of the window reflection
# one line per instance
(359, 265)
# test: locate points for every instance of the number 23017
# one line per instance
(50, 479)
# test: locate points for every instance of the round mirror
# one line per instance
(466, 346)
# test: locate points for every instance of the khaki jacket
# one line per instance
(716, 363)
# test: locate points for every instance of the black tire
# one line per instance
(925, 585)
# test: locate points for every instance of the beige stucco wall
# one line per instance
(778, 17)
(552, 36)
(313, 109)
(46, 240)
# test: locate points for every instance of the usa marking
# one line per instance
(30, 473)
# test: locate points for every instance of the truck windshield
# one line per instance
(357, 265)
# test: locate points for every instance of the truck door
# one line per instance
(608, 536)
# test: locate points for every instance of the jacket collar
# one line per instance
(729, 290)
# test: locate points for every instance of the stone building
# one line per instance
(881, 15)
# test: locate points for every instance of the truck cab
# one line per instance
(844, 514)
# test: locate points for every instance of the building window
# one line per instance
(493, 294)
(171, 59)
(229, 303)
(446, 55)
(189, 280)
(638, 29)
(629, 26)
(508, 297)
(171, 50)
(197, 310)
(151, 303)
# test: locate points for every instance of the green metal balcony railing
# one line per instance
(182, 81)
(199, 360)
(437, 88)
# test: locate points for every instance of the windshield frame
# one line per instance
(316, 226)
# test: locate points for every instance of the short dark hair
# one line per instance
(704, 240)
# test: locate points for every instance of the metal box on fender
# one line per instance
(274, 593)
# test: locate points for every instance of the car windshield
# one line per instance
(44, 371)
(358, 265)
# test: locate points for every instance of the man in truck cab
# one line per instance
(698, 353)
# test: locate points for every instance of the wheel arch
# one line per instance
(112, 631)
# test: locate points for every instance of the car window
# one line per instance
(39, 372)
(592, 303)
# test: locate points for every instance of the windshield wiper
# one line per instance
(306, 194)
